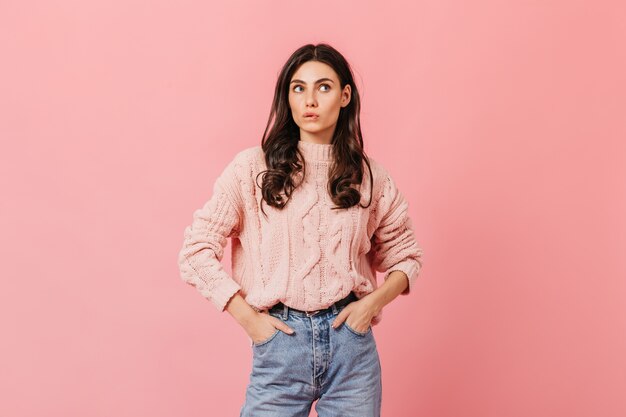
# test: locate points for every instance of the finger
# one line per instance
(340, 318)
(282, 326)
(287, 329)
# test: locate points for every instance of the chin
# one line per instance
(313, 131)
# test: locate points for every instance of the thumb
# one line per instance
(282, 326)
(341, 317)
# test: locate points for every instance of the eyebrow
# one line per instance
(316, 82)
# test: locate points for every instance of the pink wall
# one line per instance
(502, 121)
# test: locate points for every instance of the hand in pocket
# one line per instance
(264, 326)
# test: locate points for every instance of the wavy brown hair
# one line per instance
(280, 141)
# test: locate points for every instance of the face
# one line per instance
(314, 88)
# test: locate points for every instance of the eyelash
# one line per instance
(320, 86)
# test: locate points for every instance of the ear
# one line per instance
(346, 95)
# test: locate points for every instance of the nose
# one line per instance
(310, 99)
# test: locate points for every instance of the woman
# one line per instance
(306, 244)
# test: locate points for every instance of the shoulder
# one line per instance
(239, 167)
(251, 152)
(237, 174)
(244, 160)
(378, 169)
(380, 175)
(386, 191)
(247, 155)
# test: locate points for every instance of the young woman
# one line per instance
(307, 241)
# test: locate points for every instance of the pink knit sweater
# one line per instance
(307, 255)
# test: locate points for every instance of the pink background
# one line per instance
(503, 123)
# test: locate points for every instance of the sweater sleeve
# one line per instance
(200, 258)
(394, 244)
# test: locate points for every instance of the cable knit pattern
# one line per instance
(306, 255)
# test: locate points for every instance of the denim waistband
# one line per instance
(282, 308)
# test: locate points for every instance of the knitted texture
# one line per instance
(305, 255)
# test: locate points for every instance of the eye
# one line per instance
(321, 85)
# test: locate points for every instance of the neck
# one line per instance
(316, 151)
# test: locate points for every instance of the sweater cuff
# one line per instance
(411, 268)
(222, 293)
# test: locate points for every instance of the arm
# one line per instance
(394, 250)
(240, 310)
(205, 239)
(393, 286)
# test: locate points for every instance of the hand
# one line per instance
(360, 313)
(264, 325)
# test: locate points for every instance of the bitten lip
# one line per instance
(307, 114)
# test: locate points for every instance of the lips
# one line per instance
(312, 115)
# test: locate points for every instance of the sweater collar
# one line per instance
(315, 151)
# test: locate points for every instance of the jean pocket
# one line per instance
(262, 342)
(269, 339)
(361, 334)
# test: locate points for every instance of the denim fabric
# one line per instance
(340, 368)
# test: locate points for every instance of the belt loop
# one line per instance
(285, 312)
(334, 308)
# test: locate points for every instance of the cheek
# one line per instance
(294, 104)
(331, 115)
(332, 108)
(332, 104)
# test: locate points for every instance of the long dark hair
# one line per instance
(280, 142)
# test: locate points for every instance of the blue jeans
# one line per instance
(339, 368)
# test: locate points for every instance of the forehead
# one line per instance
(311, 71)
